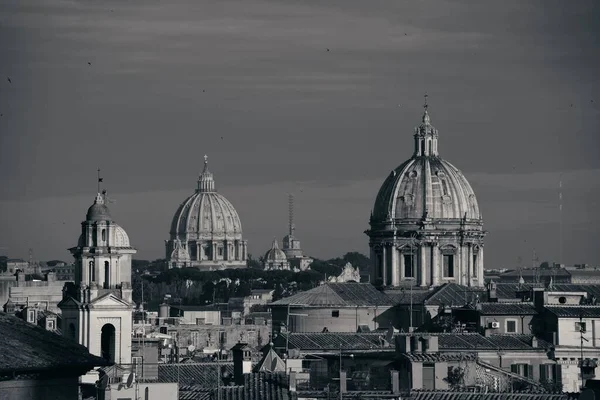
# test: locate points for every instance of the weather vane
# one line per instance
(425, 105)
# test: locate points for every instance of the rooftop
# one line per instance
(456, 395)
(259, 386)
(334, 341)
(205, 374)
(348, 294)
(575, 311)
(28, 348)
(524, 308)
(209, 307)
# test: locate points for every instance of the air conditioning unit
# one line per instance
(494, 324)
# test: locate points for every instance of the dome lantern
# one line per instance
(206, 182)
(426, 136)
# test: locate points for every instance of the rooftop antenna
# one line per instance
(291, 214)
(536, 267)
(560, 216)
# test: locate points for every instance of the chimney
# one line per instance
(242, 362)
(20, 276)
(292, 381)
(540, 297)
(395, 382)
(343, 382)
(491, 292)
(534, 342)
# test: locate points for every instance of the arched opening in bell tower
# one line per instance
(106, 275)
(108, 342)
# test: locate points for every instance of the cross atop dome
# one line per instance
(426, 118)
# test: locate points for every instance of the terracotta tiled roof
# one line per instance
(509, 290)
(475, 341)
(195, 392)
(450, 395)
(348, 294)
(334, 341)
(205, 374)
(259, 386)
(28, 348)
(507, 309)
(575, 311)
(440, 357)
(454, 295)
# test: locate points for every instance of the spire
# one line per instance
(275, 244)
(206, 182)
(426, 136)
(426, 119)
(291, 214)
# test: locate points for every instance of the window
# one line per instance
(220, 251)
(511, 326)
(562, 299)
(51, 325)
(31, 316)
(475, 265)
(448, 266)
(525, 370)
(335, 314)
(580, 327)
(409, 266)
(104, 235)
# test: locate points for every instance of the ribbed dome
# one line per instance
(98, 211)
(426, 184)
(275, 254)
(205, 214)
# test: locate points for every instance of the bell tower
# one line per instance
(96, 308)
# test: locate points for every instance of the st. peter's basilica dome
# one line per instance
(208, 228)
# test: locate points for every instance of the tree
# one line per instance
(456, 377)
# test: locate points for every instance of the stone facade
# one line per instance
(426, 226)
(206, 231)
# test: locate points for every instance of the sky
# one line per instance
(144, 89)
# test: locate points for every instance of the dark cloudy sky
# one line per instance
(513, 89)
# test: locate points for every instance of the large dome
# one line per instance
(206, 214)
(208, 228)
(426, 185)
(426, 226)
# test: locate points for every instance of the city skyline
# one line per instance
(310, 99)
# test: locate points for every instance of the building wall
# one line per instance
(88, 330)
(568, 334)
(522, 322)
(211, 338)
(335, 319)
(165, 391)
(191, 317)
(58, 389)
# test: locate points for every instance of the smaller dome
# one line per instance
(179, 253)
(98, 211)
(120, 237)
(275, 254)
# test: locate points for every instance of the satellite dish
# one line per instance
(191, 348)
(103, 382)
(129, 380)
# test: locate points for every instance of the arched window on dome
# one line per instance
(103, 235)
(422, 151)
(430, 147)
